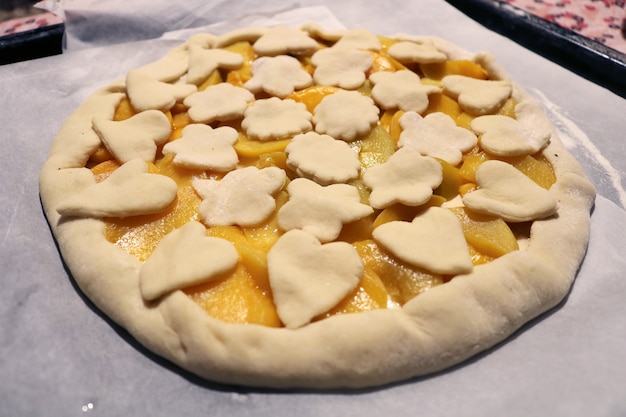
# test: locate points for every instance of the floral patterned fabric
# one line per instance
(600, 20)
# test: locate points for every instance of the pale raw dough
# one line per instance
(197, 258)
(433, 240)
(309, 278)
(430, 332)
(128, 191)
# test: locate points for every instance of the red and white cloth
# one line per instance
(27, 23)
(601, 20)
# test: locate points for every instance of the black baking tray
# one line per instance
(36, 43)
(590, 59)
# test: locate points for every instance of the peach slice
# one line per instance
(489, 235)
(402, 282)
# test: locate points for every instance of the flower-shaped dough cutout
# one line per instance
(129, 191)
(422, 52)
(283, 40)
(401, 89)
(359, 39)
(146, 93)
(436, 135)
(343, 67)
(345, 115)
(202, 147)
(278, 76)
(273, 118)
(407, 177)
(244, 197)
(219, 102)
(434, 240)
(135, 137)
(476, 96)
(309, 278)
(321, 210)
(322, 159)
(202, 62)
(185, 257)
(506, 192)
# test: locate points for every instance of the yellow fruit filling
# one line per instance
(245, 295)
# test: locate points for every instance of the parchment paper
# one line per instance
(60, 357)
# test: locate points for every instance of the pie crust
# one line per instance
(437, 329)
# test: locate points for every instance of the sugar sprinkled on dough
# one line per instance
(243, 197)
(436, 135)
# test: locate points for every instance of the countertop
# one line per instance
(59, 356)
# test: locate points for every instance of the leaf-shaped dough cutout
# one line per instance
(129, 191)
(434, 241)
(506, 192)
(185, 257)
(308, 278)
(135, 137)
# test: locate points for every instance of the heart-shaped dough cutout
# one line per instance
(135, 137)
(185, 257)
(308, 278)
(434, 240)
(476, 96)
(506, 192)
(146, 93)
(202, 62)
(129, 191)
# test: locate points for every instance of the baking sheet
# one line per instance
(60, 357)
